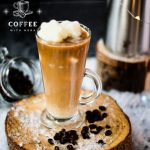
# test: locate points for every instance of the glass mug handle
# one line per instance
(92, 96)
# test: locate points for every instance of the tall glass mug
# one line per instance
(63, 69)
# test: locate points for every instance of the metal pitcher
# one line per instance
(128, 27)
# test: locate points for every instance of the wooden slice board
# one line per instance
(25, 132)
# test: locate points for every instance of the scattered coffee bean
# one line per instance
(70, 147)
(108, 132)
(91, 120)
(96, 111)
(72, 132)
(99, 128)
(73, 142)
(85, 128)
(75, 136)
(104, 115)
(86, 136)
(93, 116)
(102, 108)
(57, 136)
(56, 148)
(108, 126)
(96, 130)
(63, 140)
(96, 115)
(64, 136)
(146, 147)
(101, 142)
(51, 141)
(88, 112)
(89, 116)
(92, 126)
(85, 132)
(63, 130)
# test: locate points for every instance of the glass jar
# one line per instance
(19, 77)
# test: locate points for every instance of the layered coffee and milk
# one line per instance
(63, 48)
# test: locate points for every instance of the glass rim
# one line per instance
(70, 44)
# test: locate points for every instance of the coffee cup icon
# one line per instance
(22, 9)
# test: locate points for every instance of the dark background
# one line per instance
(92, 13)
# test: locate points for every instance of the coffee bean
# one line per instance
(63, 130)
(108, 132)
(108, 126)
(96, 130)
(104, 115)
(74, 142)
(146, 147)
(86, 136)
(70, 147)
(85, 132)
(57, 136)
(72, 132)
(75, 137)
(56, 148)
(89, 117)
(85, 128)
(92, 126)
(91, 120)
(102, 108)
(51, 141)
(99, 128)
(88, 113)
(63, 140)
(95, 111)
(101, 142)
(70, 136)
(96, 115)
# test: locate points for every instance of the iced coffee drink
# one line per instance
(62, 48)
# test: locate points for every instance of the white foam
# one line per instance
(54, 31)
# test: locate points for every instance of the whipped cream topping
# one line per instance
(54, 31)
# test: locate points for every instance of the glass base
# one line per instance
(68, 123)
